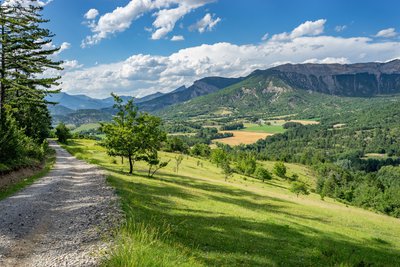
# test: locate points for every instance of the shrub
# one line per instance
(201, 150)
(63, 133)
(280, 169)
(299, 188)
(232, 126)
(291, 124)
(262, 174)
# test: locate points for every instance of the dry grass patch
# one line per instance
(242, 137)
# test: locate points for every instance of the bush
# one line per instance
(16, 149)
(299, 188)
(201, 150)
(232, 126)
(262, 174)
(63, 133)
(294, 177)
(13, 142)
(280, 169)
(291, 124)
(246, 165)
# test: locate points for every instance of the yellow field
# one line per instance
(242, 137)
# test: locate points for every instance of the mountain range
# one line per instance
(291, 86)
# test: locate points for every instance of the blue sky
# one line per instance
(127, 46)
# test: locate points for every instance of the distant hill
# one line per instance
(73, 108)
(300, 88)
(361, 79)
(82, 116)
(59, 110)
(75, 102)
(201, 87)
(285, 89)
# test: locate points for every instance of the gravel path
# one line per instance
(61, 220)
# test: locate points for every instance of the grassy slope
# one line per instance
(86, 127)
(196, 218)
(47, 165)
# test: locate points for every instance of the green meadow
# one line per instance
(86, 127)
(196, 218)
(273, 128)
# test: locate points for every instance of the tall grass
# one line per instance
(139, 244)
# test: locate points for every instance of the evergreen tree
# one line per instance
(25, 56)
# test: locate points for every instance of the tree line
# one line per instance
(25, 55)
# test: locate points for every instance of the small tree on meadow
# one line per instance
(63, 133)
(280, 169)
(262, 174)
(134, 135)
(218, 156)
(155, 164)
(121, 139)
(226, 169)
(178, 161)
(299, 188)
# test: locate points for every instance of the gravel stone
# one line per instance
(64, 219)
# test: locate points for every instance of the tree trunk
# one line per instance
(2, 76)
(130, 164)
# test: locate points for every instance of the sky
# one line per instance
(139, 47)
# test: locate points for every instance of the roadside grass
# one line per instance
(49, 161)
(196, 218)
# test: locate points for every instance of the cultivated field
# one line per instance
(195, 218)
(242, 137)
(270, 129)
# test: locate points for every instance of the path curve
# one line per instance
(60, 220)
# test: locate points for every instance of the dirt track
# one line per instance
(60, 220)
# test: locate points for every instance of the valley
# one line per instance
(275, 115)
(199, 133)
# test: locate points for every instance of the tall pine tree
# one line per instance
(26, 50)
(26, 53)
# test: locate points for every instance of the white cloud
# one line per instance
(176, 38)
(91, 14)
(387, 33)
(64, 46)
(71, 65)
(340, 28)
(265, 37)
(121, 19)
(166, 20)
(207, 23)
(328, 60)
(308, 28)
(27, 2)
(145, 74)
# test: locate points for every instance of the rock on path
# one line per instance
(61, 219)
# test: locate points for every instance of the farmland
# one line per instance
(242, 137)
